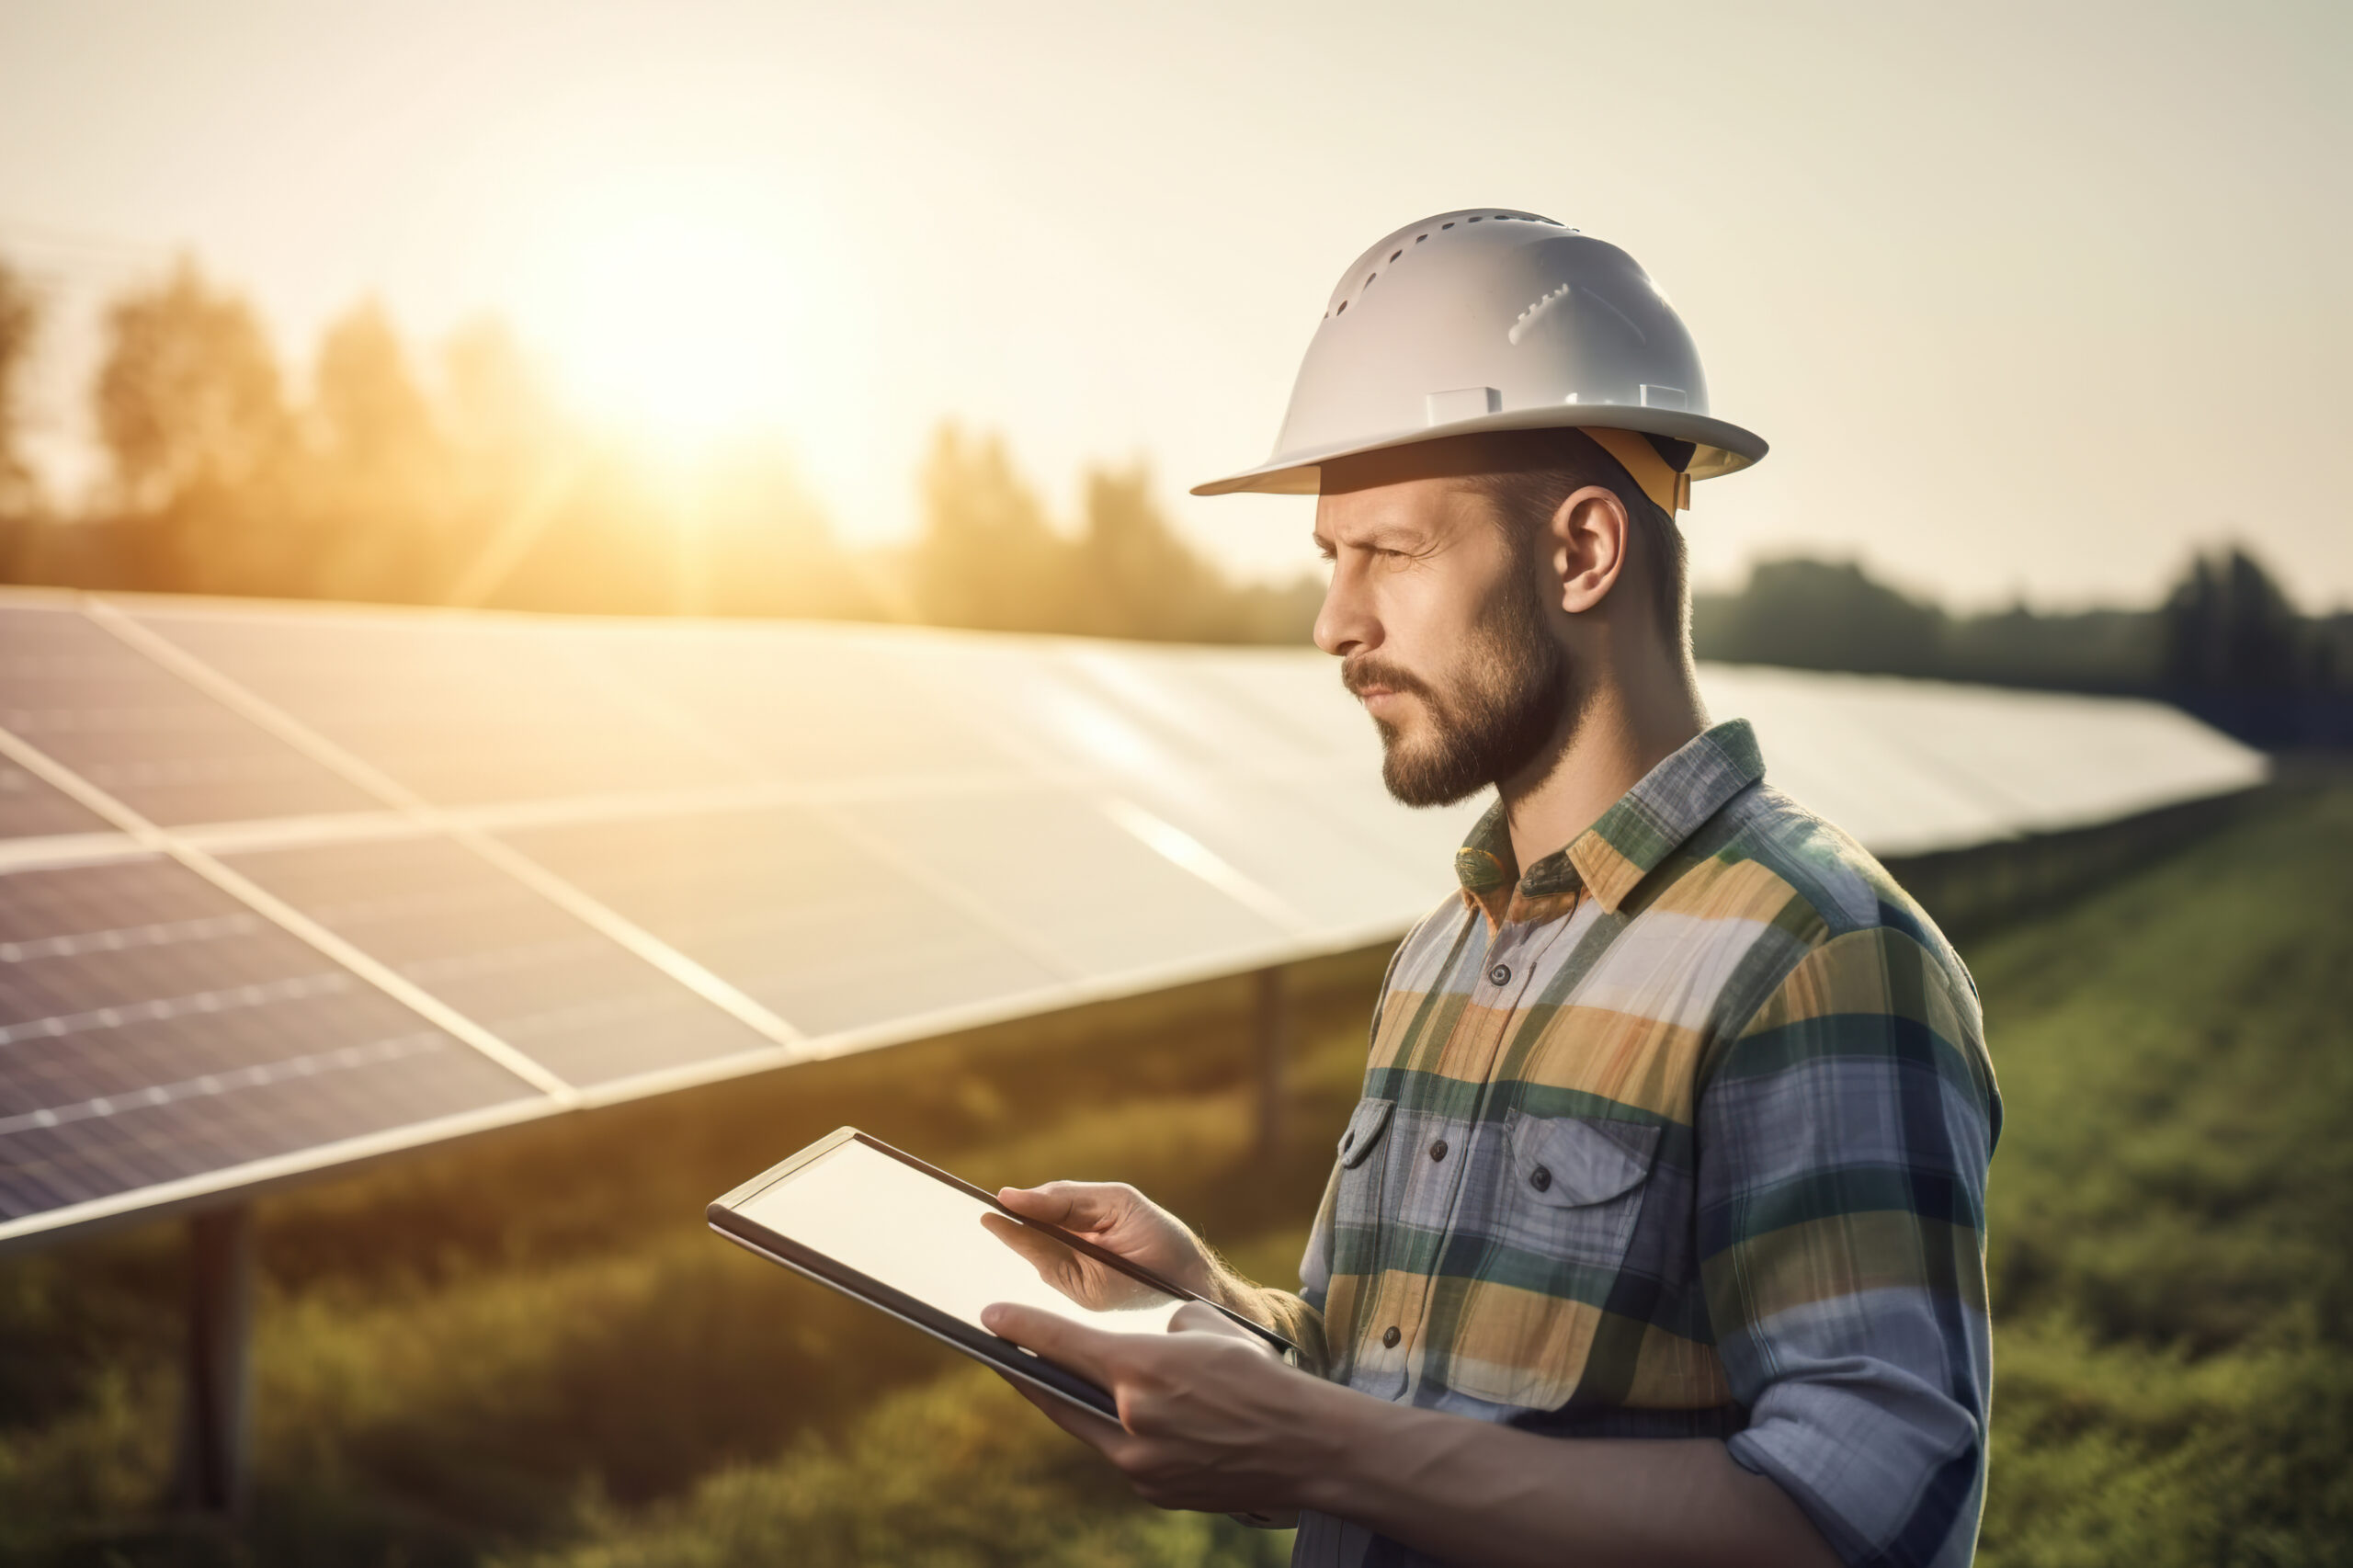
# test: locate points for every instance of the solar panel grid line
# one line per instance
(1186, 852)
(926, 876)
(1032, 943)
(132, 728)
(1011, 1007)
(268, 715)
(387, 1050)
(158, 1197)
(286, 918)
(599, 917)
(157, 1008)
(68, 850)
(366, 775)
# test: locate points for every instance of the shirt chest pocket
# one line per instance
(1573, 1190)
(1561, 1220)
(1356, 1214)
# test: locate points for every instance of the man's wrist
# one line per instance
(1336, 1434)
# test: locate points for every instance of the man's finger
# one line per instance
(1095, 1429)
(1049, 1258)
(1074, 1205)
(1089, 1352)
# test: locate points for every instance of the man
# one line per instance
(1658, 1237)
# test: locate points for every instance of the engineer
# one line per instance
(1658, 1235)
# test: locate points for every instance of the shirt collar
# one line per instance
(1649, 822)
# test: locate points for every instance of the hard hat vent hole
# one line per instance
(1419, 238)
(1395, 254)
(1342, 310)
(1446, 225)
(1474, 221)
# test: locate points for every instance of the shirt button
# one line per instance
(1500, 975)
(1541, 1179)
(1389, 1337)
(1437, 1150)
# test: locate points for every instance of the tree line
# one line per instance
(461, 481)
(2225, 643)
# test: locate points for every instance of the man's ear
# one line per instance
(1586, 540)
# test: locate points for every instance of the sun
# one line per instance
(685, 316)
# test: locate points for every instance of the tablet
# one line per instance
(852, 1213)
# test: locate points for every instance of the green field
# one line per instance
(528, 1351)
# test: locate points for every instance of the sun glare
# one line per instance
(682, 318)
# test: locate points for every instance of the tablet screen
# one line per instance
(945, 1248)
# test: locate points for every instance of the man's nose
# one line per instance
(1346, 624)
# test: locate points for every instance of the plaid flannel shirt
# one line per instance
(1681, 1132)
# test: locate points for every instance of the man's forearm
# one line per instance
(1475, 1493)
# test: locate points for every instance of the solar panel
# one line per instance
(29, 808)
(807, 705)
(156, 1030)
(144, 735)
(566, 996)
(280, 885)
(1911, 767)
(1077, 879)
(460, 711)
(834, 937)
(1336, 868)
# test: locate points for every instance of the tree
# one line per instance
(372, 419)
(987, 557)
(1820, 615)
(2228, 628)
(379, 491)
(760, 544)
(1135, 577)
(189, 399)
(20, 322)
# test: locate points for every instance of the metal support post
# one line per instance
(1270, 1040)
(210, 1474)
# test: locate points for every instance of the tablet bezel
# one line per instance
(726, 1218)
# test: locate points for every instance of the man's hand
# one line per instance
(1122, 1220)
(1208, 1418)
(1087, 1280)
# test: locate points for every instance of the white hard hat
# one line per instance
(1488, 319)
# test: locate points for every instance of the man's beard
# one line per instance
(1516, 693)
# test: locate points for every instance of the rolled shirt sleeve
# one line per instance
(1843, 1141)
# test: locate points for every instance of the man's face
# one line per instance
(1443, 633)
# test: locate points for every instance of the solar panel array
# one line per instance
(287, 886)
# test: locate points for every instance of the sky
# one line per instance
(2030, 300)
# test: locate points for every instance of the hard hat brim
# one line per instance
(1724, 448)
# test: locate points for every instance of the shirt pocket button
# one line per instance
(1541, 1179)
(1389, 1337)
(1500, 975)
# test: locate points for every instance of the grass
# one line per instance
(526, 1352)
(2171, 1206)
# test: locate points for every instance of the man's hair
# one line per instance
(1528, 474)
